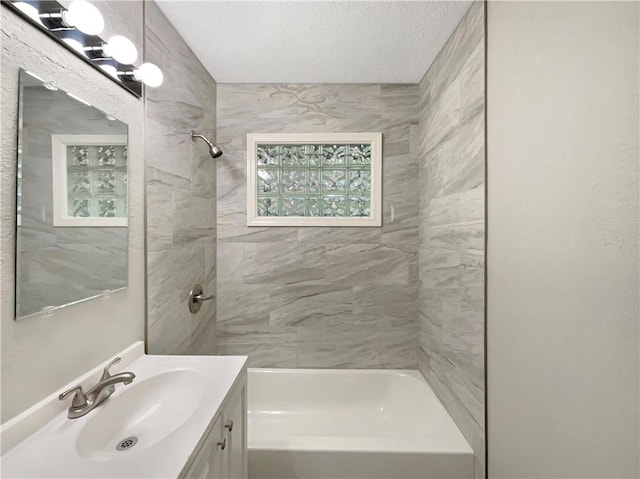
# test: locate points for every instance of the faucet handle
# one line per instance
(79, 399)
(105, 372)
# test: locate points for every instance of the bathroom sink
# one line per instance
(148, 429)
(141, 415)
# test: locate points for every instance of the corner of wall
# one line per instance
(452, 228)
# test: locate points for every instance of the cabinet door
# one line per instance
(210, 459)
(235, 426)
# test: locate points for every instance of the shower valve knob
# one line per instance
(196, 297)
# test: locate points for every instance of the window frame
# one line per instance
(59, 144)
(371, 138)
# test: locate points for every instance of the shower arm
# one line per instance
(204, 138)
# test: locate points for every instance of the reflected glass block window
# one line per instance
(318, 179)
(97, 181)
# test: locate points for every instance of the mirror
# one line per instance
(72, 241)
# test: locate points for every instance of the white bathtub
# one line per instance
(365, 424)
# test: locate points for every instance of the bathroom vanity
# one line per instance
(223, 453)
(181, 417)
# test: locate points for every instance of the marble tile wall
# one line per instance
(451, 165)
(181, 194)
(319, 297)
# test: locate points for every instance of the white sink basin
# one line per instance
(166, 411)
(141, 415)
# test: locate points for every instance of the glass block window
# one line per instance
(90, 180)
(314, 179)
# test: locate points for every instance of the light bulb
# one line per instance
(111, 70)
(121, 49)
(149, 74)
(85, 17)
(75, 44)
(29, 10)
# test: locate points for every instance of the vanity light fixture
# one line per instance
(111, 70)
(85, 17)
(29, 10)
(78, 27)
(75, 44)
(121, 49)
(149, 74)
(81, 15)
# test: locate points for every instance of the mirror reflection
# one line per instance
(72, 199)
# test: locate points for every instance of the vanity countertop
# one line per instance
(177, 399)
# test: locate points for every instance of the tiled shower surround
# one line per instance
(452, 171)
(409, 294)
(181, 194)
(319, 297)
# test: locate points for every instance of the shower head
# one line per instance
(214, 150)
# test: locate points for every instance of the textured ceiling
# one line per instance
(315, 42)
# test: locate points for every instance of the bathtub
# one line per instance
(365, 424)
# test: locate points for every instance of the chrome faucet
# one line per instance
(84, 403)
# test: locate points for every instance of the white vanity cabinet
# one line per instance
(223, 454)
(235, 429)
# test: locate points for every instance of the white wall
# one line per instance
(563, 239)
(41, 355)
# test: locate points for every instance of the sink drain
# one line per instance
(126, 443)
